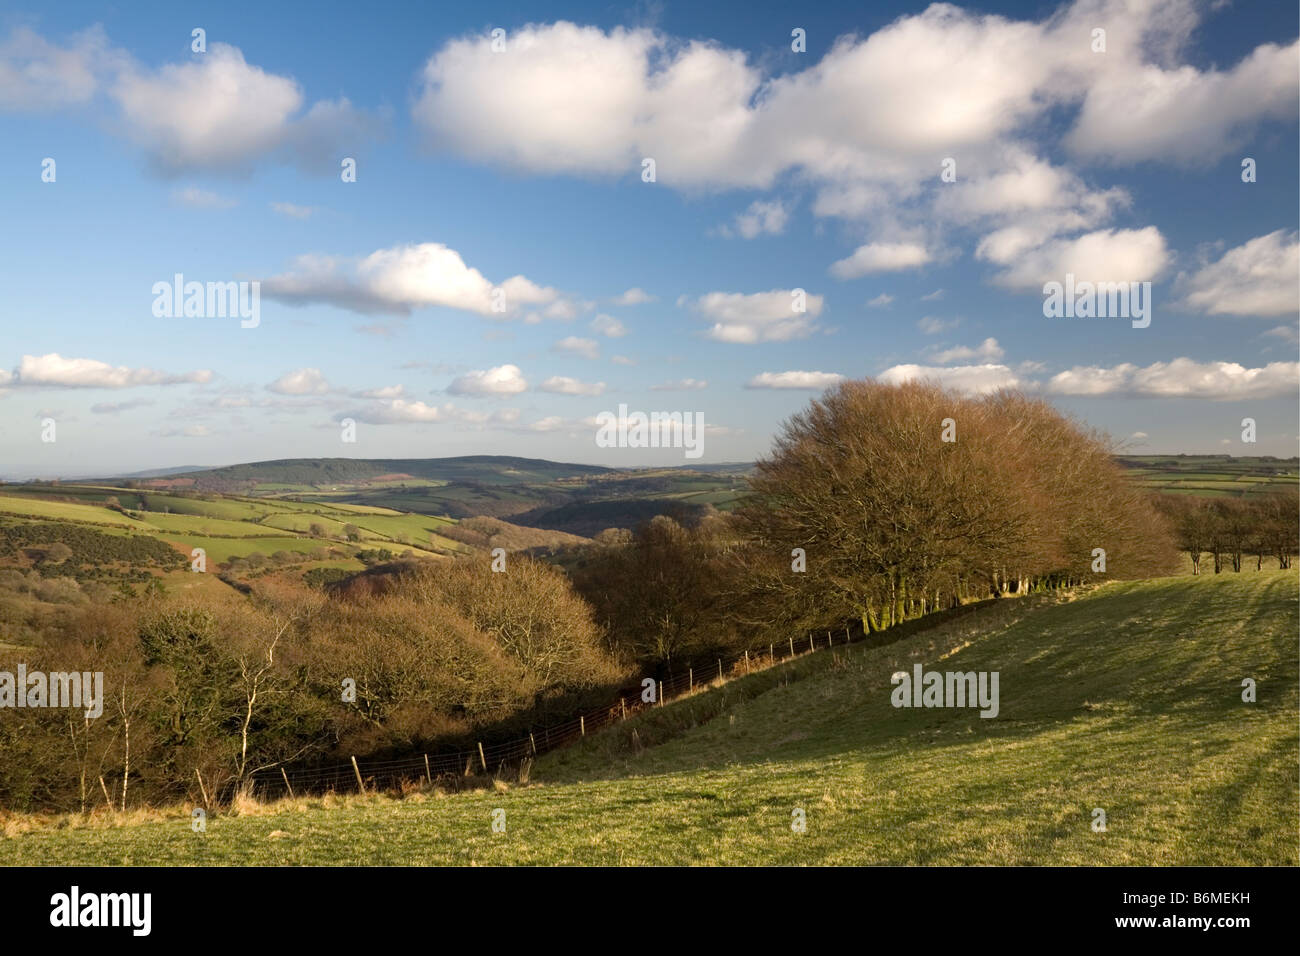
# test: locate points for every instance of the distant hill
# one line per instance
(483, 469)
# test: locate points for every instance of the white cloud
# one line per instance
(55, 371)
(1184, 115)
(808, 380)
(971, 379)
(1287, 333)
(681, 385)
(1260, 277)
(385, 392)
(608, 326)
(587, 348)
(1107, 255)
(403, 278)
(633, 296)
(932, 296)
(622, 360)
(220, 112)
(197, 198)
(757, 317)
(562, 385)
(36, 74)
(881, 300)
(987, 351)
(580, 100)
(761, 218)
(292, 211)
(880, 257)
(303, 381)
(1181, 378)
(500, 380)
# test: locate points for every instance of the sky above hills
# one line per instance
(889, 201)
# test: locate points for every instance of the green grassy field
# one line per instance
(1212, 475)
(1126, 698)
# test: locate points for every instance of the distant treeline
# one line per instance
(1231, 530)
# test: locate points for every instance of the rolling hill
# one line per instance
(1126, 698)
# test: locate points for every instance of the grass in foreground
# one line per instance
(1127, 698)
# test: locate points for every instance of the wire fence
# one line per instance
(360, 776)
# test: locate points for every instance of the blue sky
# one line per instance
(775, 170)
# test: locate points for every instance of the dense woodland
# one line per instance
(878, 504)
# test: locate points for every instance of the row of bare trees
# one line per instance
(1232, 530)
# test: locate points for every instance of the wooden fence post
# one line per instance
(811, 645)
(532, 743)
(792, 645)
(830, 642)
(622, 707)
(287, 786)
(482, 759)
(357, 770)
(582, 724)
(202, 789)
(690, 676)
(746, 662)
(719, 668)
(661, 693)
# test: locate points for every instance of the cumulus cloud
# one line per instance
(585, 101)
(756, 317)
(574, 99)
(403, 278)
(880, 301)
(971, 379)
(761, 218)
(608, 326)
(220, 112)
(633, 296)
(1260, 277)
(986, 351)
(303, 381)
(1184, 115)
(1180, 378)
(500, 380)
(587, 348)
(805, 380)
(36, 74)
(55, 371)
(1106, 255)
(562, 385)
(880, 257)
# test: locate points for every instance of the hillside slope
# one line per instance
(1127, 698)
